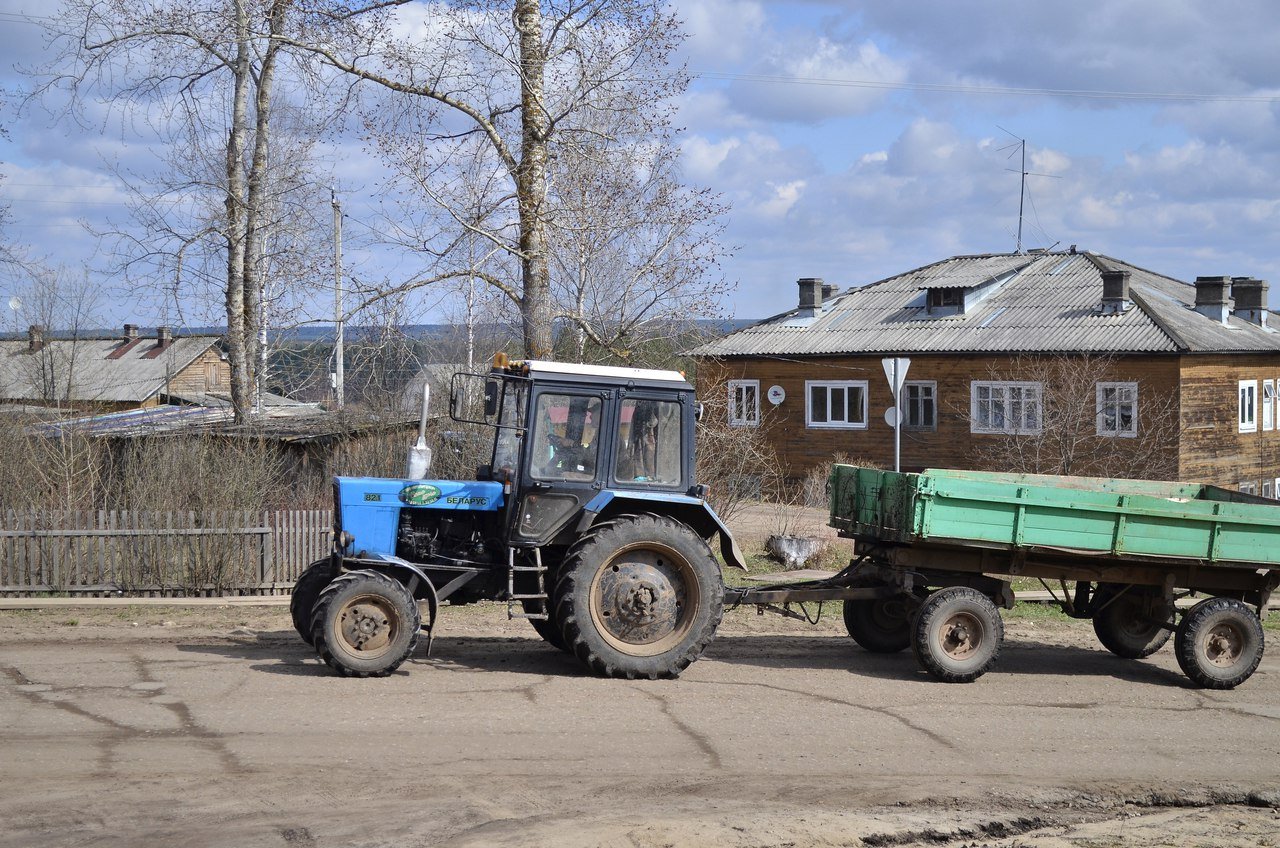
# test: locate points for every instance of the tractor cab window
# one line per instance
(566, 437)
(506, 449)
(649, 448)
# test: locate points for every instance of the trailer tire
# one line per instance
(957, 634)
(880, 625)
(365, 624)
(311, 581)
(639, 596)
(1219, 643)
(548, 628)
(1122, 625)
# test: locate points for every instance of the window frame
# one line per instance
(734, 386)
(1249, 423)
(1268, 404)
(905, 403)
(810, 385)
(1100, 409)
(975, 427)
(1248, 487)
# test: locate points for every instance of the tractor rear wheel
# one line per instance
(880, 625)
(303, 600)
(548, 628)
(639, 596)
(365, 624)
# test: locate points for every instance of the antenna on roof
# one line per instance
(1024, 173)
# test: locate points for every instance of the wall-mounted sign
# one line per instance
(776, 395)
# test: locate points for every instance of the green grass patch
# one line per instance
(1037, 612)
(1272, 622)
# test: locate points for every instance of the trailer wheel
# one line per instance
(1219, 643)
(639, 596)
(1126, 626)
(365, 624)
(303, 600)
(880, 625)
(957, 634)
(548, 628)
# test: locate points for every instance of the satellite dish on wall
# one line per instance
(776, 395)
(15, 303)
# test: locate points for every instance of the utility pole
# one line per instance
(1022, 190)
(338, 352)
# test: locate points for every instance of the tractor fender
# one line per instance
(413, 578)
(692, 511)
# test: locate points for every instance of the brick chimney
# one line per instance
(1250, 296)
(130, 332)
(35, 338)
(810, 296)
(1211, 297)
(828, 291)
(1115, 292)
(164, 336)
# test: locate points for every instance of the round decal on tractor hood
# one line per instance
(420, 494)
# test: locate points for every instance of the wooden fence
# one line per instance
(159, 553)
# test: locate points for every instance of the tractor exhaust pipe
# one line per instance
(419, 464)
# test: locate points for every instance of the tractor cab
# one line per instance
(571, 438)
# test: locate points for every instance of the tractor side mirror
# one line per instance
(492, 393)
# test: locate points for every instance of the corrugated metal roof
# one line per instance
(83, 364)
(1050, 304)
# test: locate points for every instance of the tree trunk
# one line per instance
(236, 342)
(256, 215)
(536, 311)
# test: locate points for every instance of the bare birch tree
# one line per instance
(514, 91)
(201, 75)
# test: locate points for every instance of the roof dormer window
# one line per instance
(951, 299)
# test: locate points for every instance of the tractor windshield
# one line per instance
(506, 447)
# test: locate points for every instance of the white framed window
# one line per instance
(1269, 489)
(1118, 409)
(744, 403)
(1249, 487)
(836, 403)
(1005, 407)
(1268, 404)
(1248, 406)
(920, 405)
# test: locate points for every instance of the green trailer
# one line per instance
(936, 553)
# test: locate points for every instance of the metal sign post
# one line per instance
(895, 369)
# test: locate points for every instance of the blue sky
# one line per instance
(828, 176)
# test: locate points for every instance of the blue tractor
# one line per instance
(587, 521)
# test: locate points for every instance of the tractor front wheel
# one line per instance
(305, 592)
(639, 596)
(365, 624)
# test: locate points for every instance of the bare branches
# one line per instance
(1094, 419)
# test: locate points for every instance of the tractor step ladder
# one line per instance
(513, 599)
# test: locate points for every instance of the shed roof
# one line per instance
(1046, 303)
(84, 370)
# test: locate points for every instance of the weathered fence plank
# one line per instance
(109, 551)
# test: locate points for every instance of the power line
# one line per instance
(945, 88)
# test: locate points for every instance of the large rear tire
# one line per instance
(305, 592)
(639, 596)
(1219, 643)
(548, 628)
(957, 634)
(1132, 624)
(365, 624)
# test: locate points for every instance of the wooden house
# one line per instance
(110, 374)
(1062, 362)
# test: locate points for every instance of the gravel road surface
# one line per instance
(218, 727)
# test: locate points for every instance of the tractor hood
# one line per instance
(426, 494)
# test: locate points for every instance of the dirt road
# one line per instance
(219, 728)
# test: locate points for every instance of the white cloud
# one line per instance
(719, 31)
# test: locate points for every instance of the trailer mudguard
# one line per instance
(695, 512)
